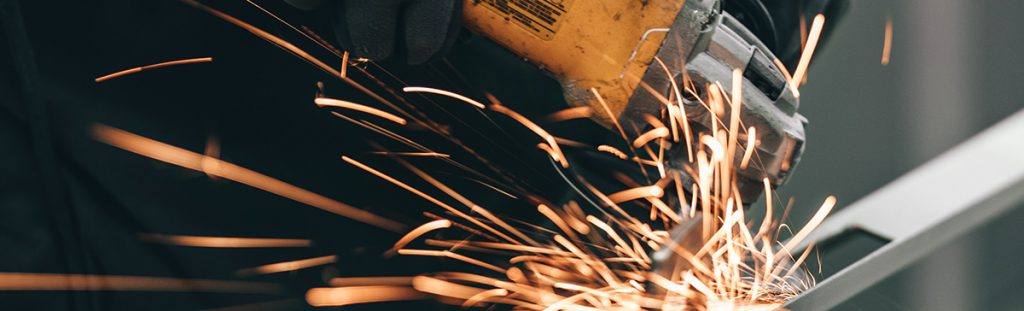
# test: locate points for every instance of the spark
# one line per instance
(419, 231)
(361, 281)
(330, 102)
(437, 286)
(194, 161)
(660, 132)
(734, 122)
(154, 66)
(223, 242)
(674, 110)
(289, 265)
(558, 221)
(420, 89)
(766, 222)
(614, 151)
(608, 111)
(350, 295)
(636, 193)
(344, 64)
(412, 154)
(483, 296)
(816, 220)
(717, 152)
(808, 51)
(887, 43)
(751, 144)
(581, 112)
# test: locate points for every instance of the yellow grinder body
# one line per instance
(587, 44)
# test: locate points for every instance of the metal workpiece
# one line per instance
(985, 178)
(709, 44)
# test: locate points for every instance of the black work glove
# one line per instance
(370, 28)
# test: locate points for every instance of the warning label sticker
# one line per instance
(540, 17)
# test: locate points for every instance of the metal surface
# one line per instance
(927, 208)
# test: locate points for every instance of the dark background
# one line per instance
(74, 205)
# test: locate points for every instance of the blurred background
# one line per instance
(955, 70)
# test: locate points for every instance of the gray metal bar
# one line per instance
(925, 209)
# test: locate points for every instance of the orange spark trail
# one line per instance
(751, 144)
(154, 66)
(194, 161)
(289, 265)
(816, 220)
(419, 231)
(653, 134)
(344, 64)
(812, 42)
(734, 123)
(483, 296)
(636, 193)
(222, 242)
(13, 281)
(887, 44)
(420, 89)
(363, 281)
(343, 296)
(608, 111)
(411, 154)
(330, 102)
(766, 223)
(436, 286)
(569, 114)
(613, 151)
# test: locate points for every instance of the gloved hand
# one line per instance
(371, 28)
